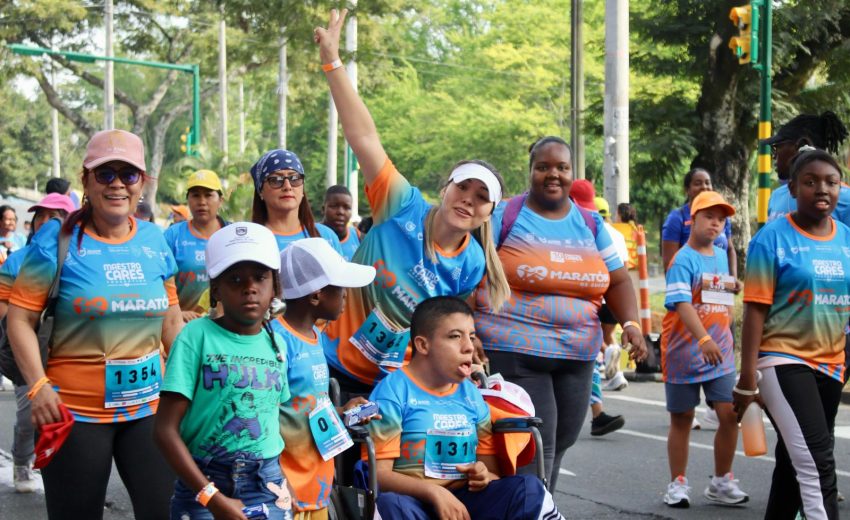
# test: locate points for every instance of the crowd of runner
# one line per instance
(199, 359)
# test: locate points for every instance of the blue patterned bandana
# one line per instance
(273, 161)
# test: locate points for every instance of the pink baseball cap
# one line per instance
(115, 145)
(55, 201)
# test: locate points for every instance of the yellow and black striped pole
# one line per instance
(765, 114)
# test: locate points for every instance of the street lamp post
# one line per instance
(193, 69)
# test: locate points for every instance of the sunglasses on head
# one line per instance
(276, 181)
(128, 176)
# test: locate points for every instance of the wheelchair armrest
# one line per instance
(358, 432)
(516, 424)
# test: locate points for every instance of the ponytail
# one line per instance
(81, 216)
(498, 289)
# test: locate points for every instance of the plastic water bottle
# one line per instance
(752, 428)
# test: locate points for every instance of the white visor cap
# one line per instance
(241, 242)
(476, 171)
(311, 264)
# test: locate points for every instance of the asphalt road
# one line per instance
(621, 475)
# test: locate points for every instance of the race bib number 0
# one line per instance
(329, 434)
(446, 449)
(132, 381)
(380, 342)
(718, 289)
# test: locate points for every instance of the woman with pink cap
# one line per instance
(51, 206)
(116, 306)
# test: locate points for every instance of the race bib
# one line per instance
(132, 381)
(446, 449)
(380, 342)
(718, 289)
(329, 434)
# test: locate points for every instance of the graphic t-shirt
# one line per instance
(310, 476)
(677, 228)
(188, 246)
(378, 315)
(235, 383)
(806, 281)
(410, 414)
(113, 297)
(681, 358)
(558, 273)
(325, 232)
(350, 243)
(781, 203)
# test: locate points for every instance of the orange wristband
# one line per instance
(335, 64)
(36, 387)
(206, 493)
(703, 340)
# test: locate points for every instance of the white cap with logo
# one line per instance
(311, 264)
(241, 242)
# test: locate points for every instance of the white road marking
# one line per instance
(567, 472)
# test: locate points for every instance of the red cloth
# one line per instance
(51, 436)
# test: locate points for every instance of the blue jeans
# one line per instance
(238, 478)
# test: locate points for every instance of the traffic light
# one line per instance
(746, 44)
(187, 138)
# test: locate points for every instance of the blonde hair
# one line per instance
(498, 289)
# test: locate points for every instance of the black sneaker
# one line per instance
(604, 423)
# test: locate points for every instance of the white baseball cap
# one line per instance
(476, 171)
(241, 242)
(311, 264)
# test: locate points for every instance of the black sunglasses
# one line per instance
(128, 176)
(276, 181)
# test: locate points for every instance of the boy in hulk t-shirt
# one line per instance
(217, 423)
(433, 443)
(314, 277)
(697, 351)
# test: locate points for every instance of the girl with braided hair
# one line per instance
(825, 132)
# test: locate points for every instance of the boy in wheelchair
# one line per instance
(434, 443)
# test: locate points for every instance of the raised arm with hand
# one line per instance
(357, 124)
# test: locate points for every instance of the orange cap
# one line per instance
(710, 199)
(181, 210)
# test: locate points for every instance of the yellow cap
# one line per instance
(204, 179)
(710, 199)
(602, 206)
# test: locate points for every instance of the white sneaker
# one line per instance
(3, 384)
(725, 490)
(677, 493)
(612, 361)
(709, 420)
(24, 479)
(618, 382)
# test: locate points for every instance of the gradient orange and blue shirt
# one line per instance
(781, 203)
(405, 276)
(310, 476)
(113, 297)
(409, 409)
(350, 243)
(188, 246)
(9, 271)
(805, 279)
(681, 359)
(325, 232)
(558, 272)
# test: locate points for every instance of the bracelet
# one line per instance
(335, 64)
(206, 493)
(703, 340)
(36, 387)
(632, 324)
(741, 391)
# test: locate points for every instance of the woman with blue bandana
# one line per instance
(280, 202)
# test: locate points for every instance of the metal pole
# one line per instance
(577, 89)
(282, 89)
(765, 113)
(108, 80)
(54, 124)
(222, 82)
(196, 108)
(352, 172)
(333, 124)
(241, 117)
(616, 126)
